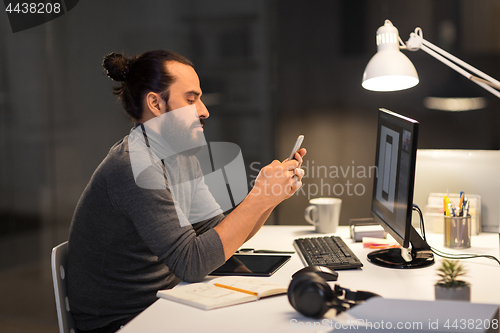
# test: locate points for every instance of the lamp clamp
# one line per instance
(415, 41)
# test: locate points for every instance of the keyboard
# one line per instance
(329, 251)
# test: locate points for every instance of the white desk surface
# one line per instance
(275, 314)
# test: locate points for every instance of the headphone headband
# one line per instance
(353, 296)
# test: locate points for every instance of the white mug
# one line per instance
(326, 213)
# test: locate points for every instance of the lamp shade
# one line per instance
(389, 69)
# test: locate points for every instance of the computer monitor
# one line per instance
(392, 201)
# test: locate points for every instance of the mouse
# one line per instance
(325, 272)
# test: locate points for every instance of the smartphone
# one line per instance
(296, 147)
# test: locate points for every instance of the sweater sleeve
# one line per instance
(190, 252)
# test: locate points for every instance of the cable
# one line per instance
(450, 255)
(463, 255)
(422, 227)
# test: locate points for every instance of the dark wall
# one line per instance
(281, 67)
(322, 48)
(58, 117)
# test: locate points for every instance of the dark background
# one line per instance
(270, 70)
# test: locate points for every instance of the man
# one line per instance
(126, 240)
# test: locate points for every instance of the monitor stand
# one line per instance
(420, 255)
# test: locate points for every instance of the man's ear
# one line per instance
(154, 103)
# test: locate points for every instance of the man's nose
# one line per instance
(202, 110)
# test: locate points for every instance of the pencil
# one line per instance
(236, 289)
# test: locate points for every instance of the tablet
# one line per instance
(252, 265)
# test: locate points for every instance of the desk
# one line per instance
(275, 314)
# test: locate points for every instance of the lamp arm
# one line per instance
(483, 83)
(462, 63)
(417, 42)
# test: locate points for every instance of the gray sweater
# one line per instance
(126, 243)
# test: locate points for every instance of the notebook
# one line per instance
(223, 291)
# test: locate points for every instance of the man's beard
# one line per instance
(184, 140)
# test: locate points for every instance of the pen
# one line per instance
(461, 204)
(236, 289)
(448, 206)
(466, 209)
(451, 210)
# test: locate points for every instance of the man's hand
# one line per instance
(279, 180)
(275, 183)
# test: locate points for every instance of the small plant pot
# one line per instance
(452, 294)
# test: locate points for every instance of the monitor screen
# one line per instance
(395, 160)
(392, 201)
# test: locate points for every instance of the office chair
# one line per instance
(59, 259)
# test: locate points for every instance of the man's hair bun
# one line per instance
(117, 66)
(139, 75)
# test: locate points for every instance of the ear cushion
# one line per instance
(310, 295)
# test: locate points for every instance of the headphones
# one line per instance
(311, 295)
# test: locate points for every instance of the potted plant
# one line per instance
(449, 286)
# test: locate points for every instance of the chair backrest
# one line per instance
(59, 263)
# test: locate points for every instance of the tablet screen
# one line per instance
(252, 265)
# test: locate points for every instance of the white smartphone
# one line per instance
(296, 147)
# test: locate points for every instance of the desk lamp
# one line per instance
(390, 70)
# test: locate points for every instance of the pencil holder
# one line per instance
(457, 231)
